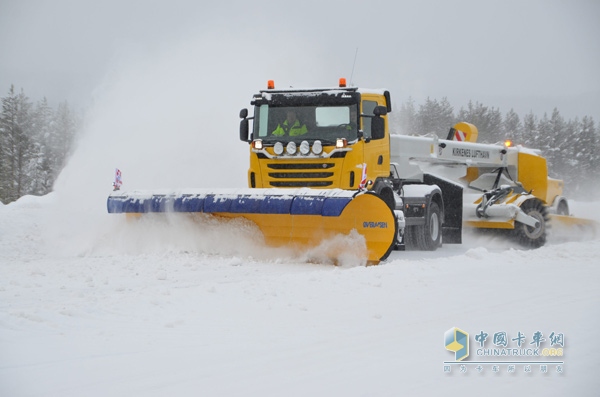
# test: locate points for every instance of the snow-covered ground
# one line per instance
(126, 314)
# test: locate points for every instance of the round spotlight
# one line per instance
(317, 147)
(278, 148)
(291, 148)
(304, 148)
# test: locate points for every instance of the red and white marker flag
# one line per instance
(118, 182)
(363, 179)
(459, 136)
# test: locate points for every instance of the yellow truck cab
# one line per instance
(345, 142)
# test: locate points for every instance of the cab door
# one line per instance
(376, 151)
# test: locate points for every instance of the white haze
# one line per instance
(530, 56)
(168, 121)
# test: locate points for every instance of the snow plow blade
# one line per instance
(569, 223)
(301, 218)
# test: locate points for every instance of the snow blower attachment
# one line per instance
(300, 218)
(505, 187)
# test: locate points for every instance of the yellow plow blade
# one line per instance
(297, 219)
(574, 224)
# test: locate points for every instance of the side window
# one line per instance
(367, 108)
(261, 121)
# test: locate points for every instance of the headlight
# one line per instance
(304, 148)
(341, 143)
(278, 148)
(291, 148)
(317, 147)
(258, 144)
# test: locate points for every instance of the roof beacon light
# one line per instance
(342, 81)
(508, 143)
(271, 84)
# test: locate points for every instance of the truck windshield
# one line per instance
(298, 123)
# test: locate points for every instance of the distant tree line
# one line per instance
(35, 140)
(572, 147)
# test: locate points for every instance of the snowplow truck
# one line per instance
(323, 163)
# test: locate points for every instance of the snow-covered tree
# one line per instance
(17, 145)
(34, 144)
(531, 134)
(488, 121)
(571, 147)
(512, 128)
(435, 117)
(407, 118)
(558, 141)
(43, 170)
(65, 126)
(586, 152)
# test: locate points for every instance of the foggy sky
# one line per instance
(526, 55)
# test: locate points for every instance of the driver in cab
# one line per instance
(291, 126)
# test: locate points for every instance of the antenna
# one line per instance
(354, 63)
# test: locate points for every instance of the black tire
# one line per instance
(388, 197)
(428, 237)
(563, 208)
(533, 237)
(410, 241)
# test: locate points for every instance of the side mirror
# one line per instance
(377, 122)
(244, 125)
(377, 128)
(244, 130)
(380, 111)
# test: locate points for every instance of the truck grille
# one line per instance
(301, 184)
(309, 174)
(300, 166)
(300, 175)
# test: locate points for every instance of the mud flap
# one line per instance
(452, 196)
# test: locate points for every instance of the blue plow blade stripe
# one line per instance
(211, 203)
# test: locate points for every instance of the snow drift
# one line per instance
(154, 320)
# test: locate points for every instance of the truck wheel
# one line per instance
(428, 237)
(532, 237)
(563, 208)
(410, 241)
(388, 197)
